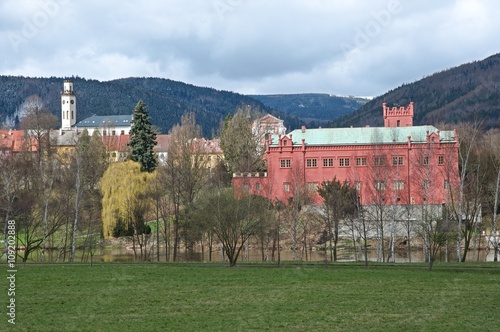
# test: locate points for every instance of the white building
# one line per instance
(108, 125)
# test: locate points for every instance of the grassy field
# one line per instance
(187, 297)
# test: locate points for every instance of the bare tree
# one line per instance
(468, 200)
(492, 148)
(37, 121)
(436, 232)
(301, 197)
(88, 165)
(339, 201)
(233, 219)
(377, 180)
(37, 210)
(10, 190)
(185, 170)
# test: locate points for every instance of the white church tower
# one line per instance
(68, 105)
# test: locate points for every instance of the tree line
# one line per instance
(68, 205)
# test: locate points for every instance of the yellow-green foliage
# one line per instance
(123, 188)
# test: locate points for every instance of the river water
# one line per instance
(255, 255)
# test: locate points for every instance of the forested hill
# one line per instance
(466, 93)
(313, 107)
(166, 100)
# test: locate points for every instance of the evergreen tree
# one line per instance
(143, 139)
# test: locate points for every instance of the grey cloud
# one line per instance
(355, 47)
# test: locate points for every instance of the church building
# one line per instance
(108, 125)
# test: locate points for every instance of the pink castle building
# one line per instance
(395, 164)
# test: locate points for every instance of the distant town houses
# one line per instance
(113, 129)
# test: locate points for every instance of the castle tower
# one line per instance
(398, 117)
(68, 105)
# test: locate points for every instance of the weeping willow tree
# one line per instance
(125, 203)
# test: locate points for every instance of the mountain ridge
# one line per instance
(315, 108)
(466, 93)
(167, 100)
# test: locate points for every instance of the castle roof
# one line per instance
(364, 135)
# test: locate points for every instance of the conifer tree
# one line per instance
(143, 139)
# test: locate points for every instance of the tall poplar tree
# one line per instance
(239, 144)
(143, 139)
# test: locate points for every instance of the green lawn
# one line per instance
(187, 297)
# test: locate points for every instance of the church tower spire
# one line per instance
(68, 105)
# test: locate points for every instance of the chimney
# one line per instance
(303, 129)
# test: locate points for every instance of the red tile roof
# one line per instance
(116, 143)
(16, 141)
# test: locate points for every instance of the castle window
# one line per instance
(397, 161)
(286, 186)
(246, 185)
(257, 186)
(285, 163)
(328, 162)
(72, 115)
(379, 161)
(344, 162)
(379, 185)
(398, 185)
(426, 161)
(312, 186)
(440, 160)
(113, 132)
(312, 162)
(357, 185)
(360, 161)
(122, 132)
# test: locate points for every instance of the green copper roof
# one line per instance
(364, 135)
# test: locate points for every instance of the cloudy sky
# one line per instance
(343, 47)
